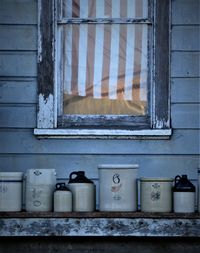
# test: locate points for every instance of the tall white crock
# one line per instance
(40, 186)
(118, 187)
(10, 191)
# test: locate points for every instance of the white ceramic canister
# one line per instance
(183, 195)
(156, 194)
(83, 192)
(40, 186)
(11, 191)
(199, 190)
(62, 198)
(118, 187)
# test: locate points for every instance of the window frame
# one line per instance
(157, 126)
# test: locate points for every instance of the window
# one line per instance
(103, 68)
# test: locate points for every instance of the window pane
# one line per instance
(104, 8)
(104, 68)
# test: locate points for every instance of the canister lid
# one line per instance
(118, 166)
(156, 179)
(11, 176)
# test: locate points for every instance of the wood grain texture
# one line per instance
(161, 61)
(18, 37)
(185, 116)
(185, 64)
(98, 214)
(185, 90)
(18, 64)
(182, 142)
(13, 116)
(185, 12)
(185, 38)
(18, 91)
(149, 165)
(18, 12)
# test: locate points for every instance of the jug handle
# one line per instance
(59, 185)
(177, 178)
(73, 173)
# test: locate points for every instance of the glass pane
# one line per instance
(104, 69)
(104, 8)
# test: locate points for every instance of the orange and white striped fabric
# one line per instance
(104, 60)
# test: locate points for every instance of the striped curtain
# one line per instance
(104, 60)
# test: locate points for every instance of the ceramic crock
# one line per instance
(10, 191)
(83, 192)
(62, 198)
(156, 194)
(118, 187)
(183, 195)
(40, 186)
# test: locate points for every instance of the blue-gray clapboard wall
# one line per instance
(21, 150)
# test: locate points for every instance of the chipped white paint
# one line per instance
(103, 133)
(45, 113)
(160, 124)
(100, 227)
(49, 107)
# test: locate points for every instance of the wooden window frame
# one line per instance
(50, 125)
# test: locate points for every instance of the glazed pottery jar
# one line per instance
(183, 195)
(83, 192)
(118, 187)
(10, 191)
(40, 186)
(62, 198)
(156, 194)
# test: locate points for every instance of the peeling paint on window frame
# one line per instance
(156, 126)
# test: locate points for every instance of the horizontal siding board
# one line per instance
(18, 64)
(17, 116)
(18, 91)
(185, 90)
(149, 165)
(186, 38)
(185, 64)
(18, 37)
(23, 141)
(18, 12)
(185, 12)
(185, 116)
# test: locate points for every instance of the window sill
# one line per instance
(103, 133)
(100, 224)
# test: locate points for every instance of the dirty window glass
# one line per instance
(103, 57)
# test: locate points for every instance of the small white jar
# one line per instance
(156, 194)
(62, 198)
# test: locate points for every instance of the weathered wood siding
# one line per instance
(21, 150)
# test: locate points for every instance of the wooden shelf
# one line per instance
(99, 224)
(98, 214)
